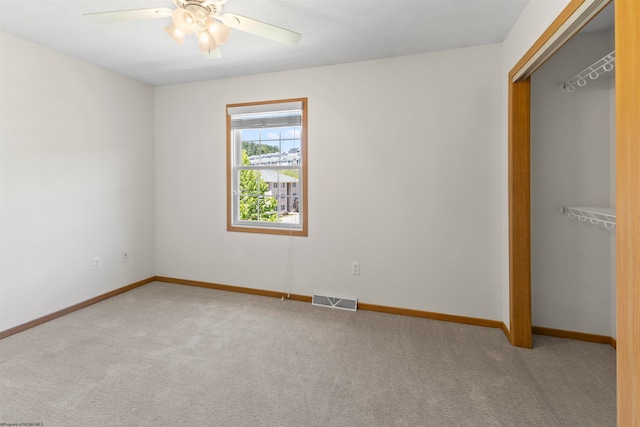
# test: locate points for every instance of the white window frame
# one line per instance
(234, 166)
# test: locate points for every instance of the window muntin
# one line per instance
(266, 160)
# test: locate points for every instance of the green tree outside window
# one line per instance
(254, 206)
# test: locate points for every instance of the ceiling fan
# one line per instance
(204, 18)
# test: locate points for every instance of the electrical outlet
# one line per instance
(96, 263)
(355, 267)
(125, 256)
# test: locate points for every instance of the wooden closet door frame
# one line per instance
(628, 210)
(627, 35)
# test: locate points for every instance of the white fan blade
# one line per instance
(129, 15)
(212, 55)
(261, 29)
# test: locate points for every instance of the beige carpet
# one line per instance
(167, 355)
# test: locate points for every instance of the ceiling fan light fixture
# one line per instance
(222, 34)
(211, 25)
(218, 30)
(206, 43)
(175, 33)
(184, 20)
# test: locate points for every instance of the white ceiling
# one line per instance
(333, 32)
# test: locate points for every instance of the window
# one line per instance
(266, 155)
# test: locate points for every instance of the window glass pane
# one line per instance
(251, 183)
(271, 146)
(293, 203)
(292, 208)
(248, 208)
(258, 208)
(268, 195)
(259, 150)
(290, 176)
(267, 209)
(291, 140)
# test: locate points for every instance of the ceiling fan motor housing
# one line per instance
(201, 7)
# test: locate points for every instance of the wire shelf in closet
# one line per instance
(594, 71)
(603, 217)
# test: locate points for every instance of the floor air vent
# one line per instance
(343, 303)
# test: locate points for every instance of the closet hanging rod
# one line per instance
(592, 72)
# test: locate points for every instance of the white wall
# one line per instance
(570, 148)
(77, 181)
(534, 20)
(430, 123)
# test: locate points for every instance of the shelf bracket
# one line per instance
(604, 217)
(605, 64)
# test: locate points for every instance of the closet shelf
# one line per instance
(595, 70)
(605, 217)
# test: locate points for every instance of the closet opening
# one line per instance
(572, 155)
(569, 23)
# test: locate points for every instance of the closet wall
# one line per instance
(572, 164)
